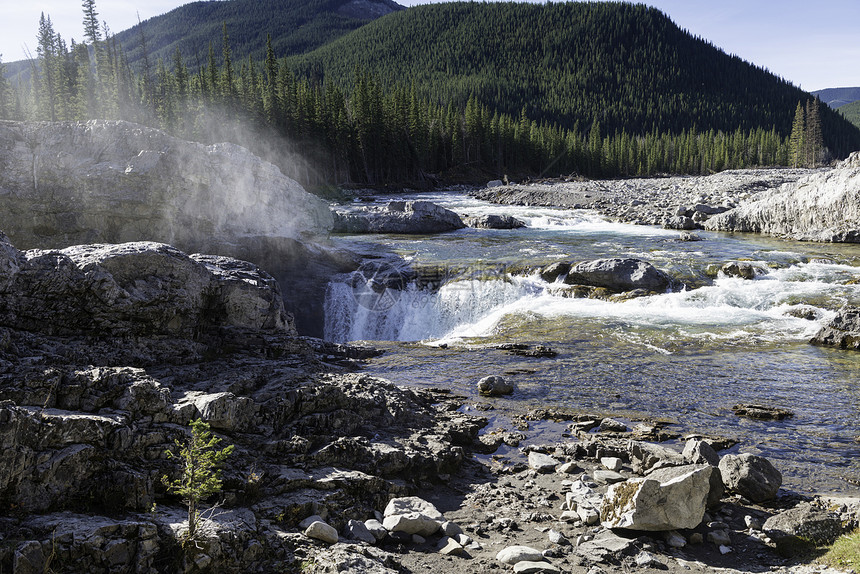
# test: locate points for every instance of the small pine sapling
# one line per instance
(201, 477)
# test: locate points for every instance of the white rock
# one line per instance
(651, 505)
(542, 462)
(410, 504)
(568, 468)
(449, 546)
(376, 528)
(514, 554)
(412, 523)
(310, 520)
(612, 463)
(322, 531)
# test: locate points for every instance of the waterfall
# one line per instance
(356, 310)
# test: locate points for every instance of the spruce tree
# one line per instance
(813, 141)
(797, 139)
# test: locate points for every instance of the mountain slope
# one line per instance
(296, 26)
(838, 97)
(626, 66)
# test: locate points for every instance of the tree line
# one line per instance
(369, 131)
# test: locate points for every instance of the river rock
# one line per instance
(322, 531)
(697, 451)
(513, 554)
(843, 331)
(805, 521)
(605, 546)
(742, 269)
(408, 504)
(356, 530)
(716, 489)
(400, 217)
(652, 505)
(412, 515)
(750, 476)
(645, 457)
(542, 462)
(619, 275)
(761, 412)
(823, 206)
(494, 222)
(139, 288)
(552, 272)
(494, 386)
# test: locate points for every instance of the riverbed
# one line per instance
(686, 356)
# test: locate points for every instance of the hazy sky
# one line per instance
(814, 45)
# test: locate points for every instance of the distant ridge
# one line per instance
(838, 97)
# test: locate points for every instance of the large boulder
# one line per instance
(751, 476)
(652, 504)
(400, 217)
(619, 275)
(823, 206)
(843, 331)
(139, 288)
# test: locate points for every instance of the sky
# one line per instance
(812, 47)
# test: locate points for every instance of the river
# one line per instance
(686, 356)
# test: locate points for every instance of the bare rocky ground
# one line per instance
(679, 202)
(500, 501)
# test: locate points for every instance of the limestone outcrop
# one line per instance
(824, 206)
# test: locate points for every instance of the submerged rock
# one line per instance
(761, 412)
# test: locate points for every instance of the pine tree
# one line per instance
(813, 142)
(46, 78)
(201, 477)
(797, 139)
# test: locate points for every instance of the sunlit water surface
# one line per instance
(688, 355)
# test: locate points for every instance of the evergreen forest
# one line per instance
(461, 91)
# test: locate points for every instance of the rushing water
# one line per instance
(688, 355)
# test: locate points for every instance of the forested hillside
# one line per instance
(296, 26)
(451, 92)
(627, 66)
(851, 112)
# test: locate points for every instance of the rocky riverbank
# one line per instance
(679, 202)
